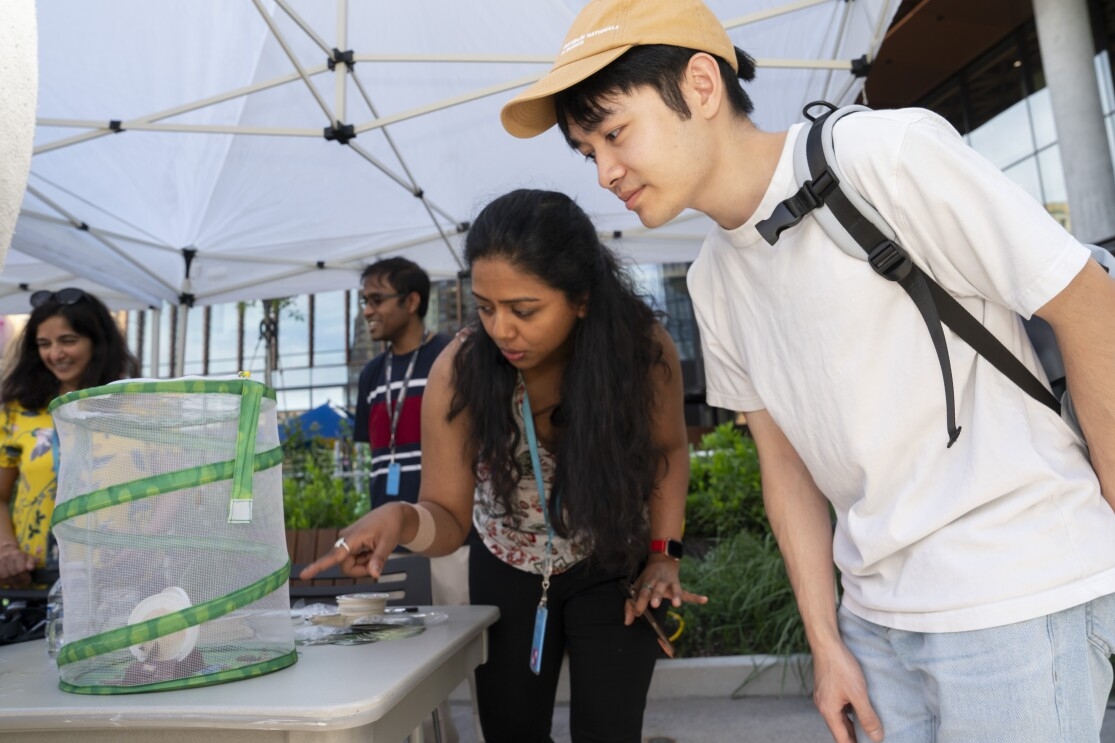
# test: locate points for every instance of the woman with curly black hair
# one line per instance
(70, 342)
(555, 426)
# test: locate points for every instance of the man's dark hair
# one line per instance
(659, 66)
(404, 277)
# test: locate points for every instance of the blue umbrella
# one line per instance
(325, 421)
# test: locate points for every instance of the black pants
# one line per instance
(610, 664)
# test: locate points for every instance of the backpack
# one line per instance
(863, 233)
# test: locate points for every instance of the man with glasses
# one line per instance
(395, 294)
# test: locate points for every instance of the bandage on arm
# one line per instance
(427, 530)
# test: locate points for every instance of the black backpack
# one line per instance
(862, 232)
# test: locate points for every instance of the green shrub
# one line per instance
(312, 496)
(736, 562)
(725, 490)
(751, 607)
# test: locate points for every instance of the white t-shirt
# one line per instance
(1009, 523)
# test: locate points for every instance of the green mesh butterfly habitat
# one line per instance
(169, 522)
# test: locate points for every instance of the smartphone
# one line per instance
(663, 640)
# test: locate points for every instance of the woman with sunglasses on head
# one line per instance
(555, 426)
(70, 342)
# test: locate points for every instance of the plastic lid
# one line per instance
(175, 646)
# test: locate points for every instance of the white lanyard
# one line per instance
(397, 409)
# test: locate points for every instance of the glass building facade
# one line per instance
(322, 343)
(1001, 105)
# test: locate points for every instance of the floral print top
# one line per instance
(26, 443)
(523, 546)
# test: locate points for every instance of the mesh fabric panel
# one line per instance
(147, 472)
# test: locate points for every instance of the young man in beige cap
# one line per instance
(978, 579)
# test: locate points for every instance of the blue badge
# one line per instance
(539, 638)
(393, 472)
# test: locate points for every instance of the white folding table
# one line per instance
(374, 693)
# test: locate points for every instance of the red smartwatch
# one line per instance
(671, 547)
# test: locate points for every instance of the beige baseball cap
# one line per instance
(603, 31)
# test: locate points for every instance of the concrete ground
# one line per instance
(753, 719)
(702, 720)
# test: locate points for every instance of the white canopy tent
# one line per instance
(181, 154)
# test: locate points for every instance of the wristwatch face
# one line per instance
(671, 547)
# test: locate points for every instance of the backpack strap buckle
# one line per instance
(789, 212)
(890, 261)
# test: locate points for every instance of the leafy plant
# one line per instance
(312, 496)
(751, 607)
(725, 490)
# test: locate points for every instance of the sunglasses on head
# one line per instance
(69, 295)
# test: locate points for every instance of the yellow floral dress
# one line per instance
(26, 443)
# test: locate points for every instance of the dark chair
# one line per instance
(405, 580)
(41, 581)
(23, 613)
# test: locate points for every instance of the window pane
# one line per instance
(680, 321)
(164, 342)
(1041, 113)
(1026, 175)
(1109, 125)
(293, 377)
(224, 339)
(294, 332)
(949, 103)
(329, 328)
(143, 353)
(254, 357)
(294, 400)
(1053, 185)
(329, 358)
(995, 83)
(1006, 138)
(330, 375)
(648, 282)
(322, 395)
(1103, 75)
(442, 316)
(195, 340)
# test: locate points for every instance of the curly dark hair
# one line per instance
(606, 458)
(30, 382)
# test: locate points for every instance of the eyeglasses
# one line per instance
(69, 295)
(375, 299)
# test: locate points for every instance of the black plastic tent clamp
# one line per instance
(340, 133)
(347, 58)
(861, 67)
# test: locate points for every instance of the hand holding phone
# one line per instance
(663, 640)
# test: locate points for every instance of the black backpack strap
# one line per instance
(890, 260)
(936, 305)
(988, 346)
